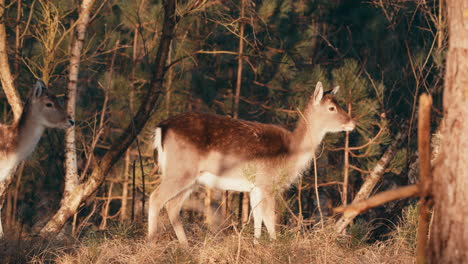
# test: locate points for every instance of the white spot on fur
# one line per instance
(225, 183)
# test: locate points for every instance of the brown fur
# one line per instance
(209, 132)
(8, 133)
(8, 141)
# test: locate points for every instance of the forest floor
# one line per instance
(126, 244)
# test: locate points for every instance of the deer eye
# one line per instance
(332, 109)
(49, 105)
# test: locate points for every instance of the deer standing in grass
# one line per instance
(231, 154)
(18, 140)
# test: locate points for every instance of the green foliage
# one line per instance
(407, 228)
(359, 232)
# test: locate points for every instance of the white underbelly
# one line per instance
(239, 184)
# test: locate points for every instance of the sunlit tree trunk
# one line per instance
(71, 168)
(5, 73)
(449, 233)
(123, 209)
(18, 38)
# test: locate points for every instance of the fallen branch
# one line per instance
(373, 178)
(356, 208)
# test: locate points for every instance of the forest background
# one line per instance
(254, 60)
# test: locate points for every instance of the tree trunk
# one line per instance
(18, 39)
(425, 175)
(5, 73)
(449, 233)
(123, 207)
(245, 198)
(105, 208)
(71, 168)
(346, 165)
(150, 102)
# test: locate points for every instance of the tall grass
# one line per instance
(126, 244)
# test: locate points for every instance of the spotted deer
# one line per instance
(18, 140)
(238, 155)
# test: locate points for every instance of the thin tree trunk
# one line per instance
(5, 73)
(440, 30)
(71, 168)
(371, 180)
(123, 208)
(346, 165)
(133, 189)
(449, 233)
(207, 204)
(299, 203)
(150, 102)
(170, 72)
(317, 196)
(105, 208)
(17, 38)
(239, 61)
(245, 198)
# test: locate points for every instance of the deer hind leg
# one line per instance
(173, 210)
(168, 190)
(269, 217)
(256, 202)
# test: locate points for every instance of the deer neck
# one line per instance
(29, 131)
(305, 138)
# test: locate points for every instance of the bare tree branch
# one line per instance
(5, 73)
(356, 208)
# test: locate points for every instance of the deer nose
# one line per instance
(350, 125)
(71, 121)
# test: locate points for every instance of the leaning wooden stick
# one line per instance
(425, 175)
(378, 199)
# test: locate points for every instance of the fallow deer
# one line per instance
(231, 154)
(17, 141)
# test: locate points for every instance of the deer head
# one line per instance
(48, 111)
(325, 112)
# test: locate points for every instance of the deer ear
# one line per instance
(39, 89)
(335, 90)
(318, 94)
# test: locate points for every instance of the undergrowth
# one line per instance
(126, 244)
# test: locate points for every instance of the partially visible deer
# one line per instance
(231, 154)
(18, 140)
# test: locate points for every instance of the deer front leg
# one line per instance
(256, 203)
(269, 217)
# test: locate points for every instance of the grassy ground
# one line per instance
(126, 244)
(121, 245)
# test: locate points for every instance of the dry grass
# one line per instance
(125, 244)
(309, 247)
